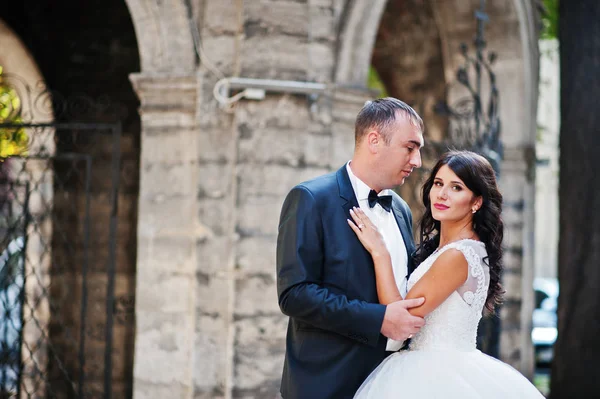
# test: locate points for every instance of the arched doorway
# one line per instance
(420, 73)
(85, 52)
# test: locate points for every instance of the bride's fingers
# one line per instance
(353, 226)
(360, 222)
(356, 217)
(363, 216)
(364, 219)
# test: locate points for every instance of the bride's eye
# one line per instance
(437, 184)
(456, 188)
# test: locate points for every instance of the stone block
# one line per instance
(149, 389)
(215, 214)
(211, 351)
(278, 112)
(213, 254)
(169, 178)
(179, 114)
(256, 255)
(272, 180)
(510, 344)
(168, 253)
(513, 285)
(215, 392)
(269, 17)
(163, 214)
(256, 294)
(322, 21)
(342, 144)
(258, 216)
(169, 145)
(220, 50)
(213, 294)
(215, 144)
(164, 292)
(322, 61)
(163, 349)
(290, 147)
(221, 17)
(275, 57)
(318, 150)
(259, 352)
(270, 145)
(214, 180)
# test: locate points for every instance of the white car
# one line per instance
(544, 330)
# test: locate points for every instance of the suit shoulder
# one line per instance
(320, 185)
(400, 201)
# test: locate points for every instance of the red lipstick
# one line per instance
(441, 207)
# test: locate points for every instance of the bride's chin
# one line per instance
(436, 218)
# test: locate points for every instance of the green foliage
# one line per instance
(376, 83)
(550, 19)
(12, 141)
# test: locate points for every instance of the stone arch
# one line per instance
(16, 58)
(22, 73)
(512, 34)
(165, 39)
(359, 24)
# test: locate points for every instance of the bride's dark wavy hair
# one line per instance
(478, 175)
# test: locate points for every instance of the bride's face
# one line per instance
(450, 198)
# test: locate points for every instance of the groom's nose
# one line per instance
(415, 160)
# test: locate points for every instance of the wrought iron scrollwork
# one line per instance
(38, 103)
(474, 118)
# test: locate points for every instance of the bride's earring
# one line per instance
(474, 210)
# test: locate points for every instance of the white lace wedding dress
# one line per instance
(442, 361)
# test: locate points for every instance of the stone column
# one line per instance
(167, 235)
(518, 187)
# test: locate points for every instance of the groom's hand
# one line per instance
(398, 323)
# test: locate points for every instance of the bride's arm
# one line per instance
(448, 272)
(372, 240)
(387, 291)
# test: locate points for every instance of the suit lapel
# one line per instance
(346, 190)
(347, 193)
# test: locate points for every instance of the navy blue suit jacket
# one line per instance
(326, 285)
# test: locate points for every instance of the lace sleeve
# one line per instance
(474, 290)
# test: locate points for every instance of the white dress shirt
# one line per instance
(388, 227)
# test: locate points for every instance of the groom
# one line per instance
(325, 278)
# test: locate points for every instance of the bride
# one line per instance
(461, 254)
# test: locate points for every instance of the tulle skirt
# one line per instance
(427, 374)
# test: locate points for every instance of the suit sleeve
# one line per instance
(300, 265)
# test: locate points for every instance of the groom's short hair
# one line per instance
(380, 114)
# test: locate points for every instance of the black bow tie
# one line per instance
(384, 200)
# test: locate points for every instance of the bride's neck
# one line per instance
(450, 232)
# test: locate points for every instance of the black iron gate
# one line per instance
(58, 229)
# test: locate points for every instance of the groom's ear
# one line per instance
(373, 140)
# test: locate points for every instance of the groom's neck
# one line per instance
(366, 172)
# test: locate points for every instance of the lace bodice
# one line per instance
(453, 324)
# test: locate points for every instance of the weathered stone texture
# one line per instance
(230, 170)
(259, 362)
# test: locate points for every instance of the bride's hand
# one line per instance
(367, 232)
